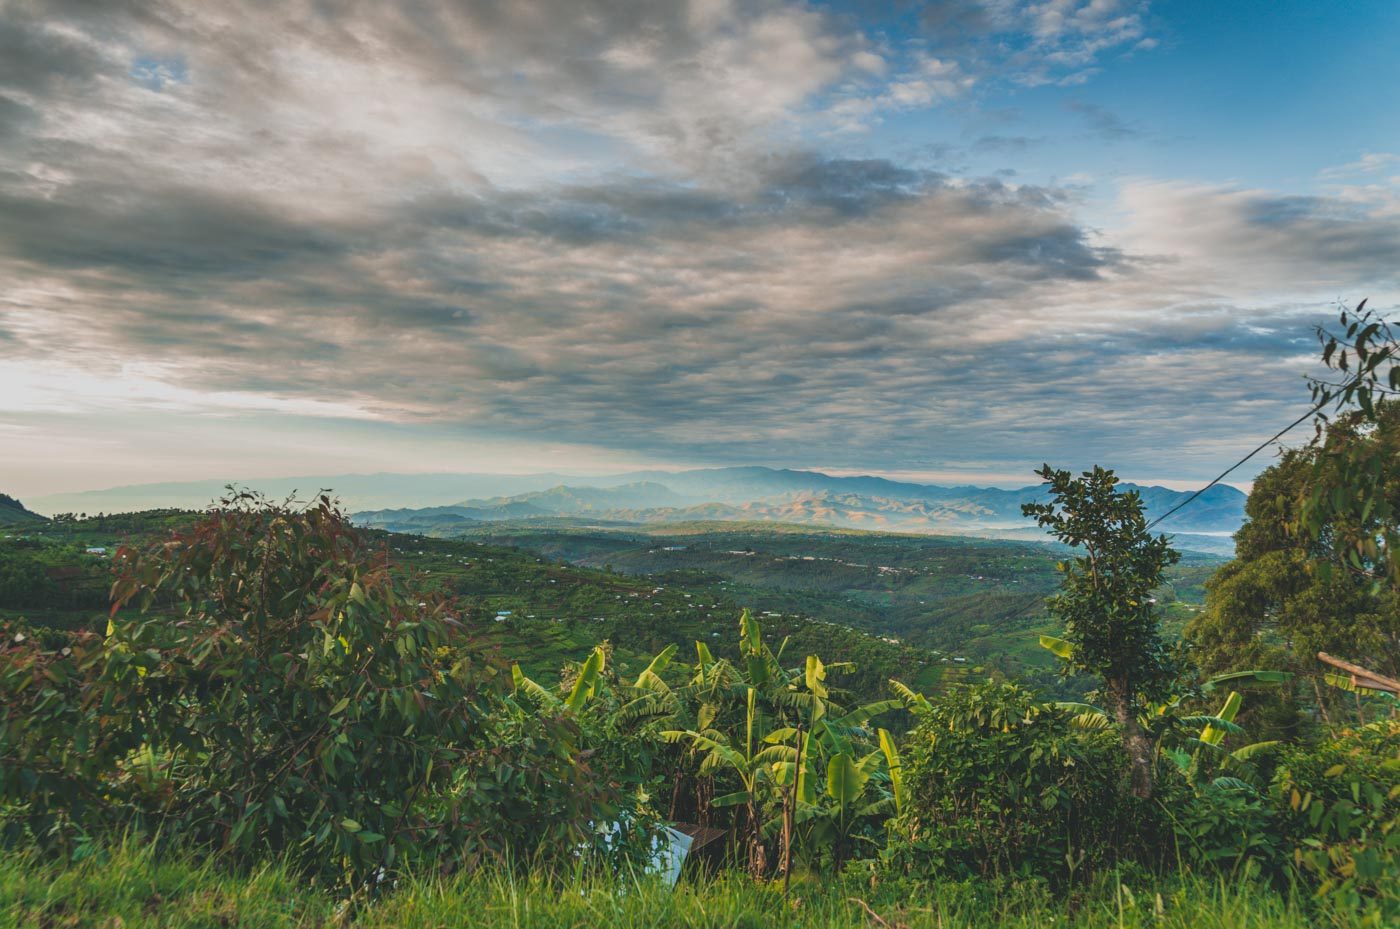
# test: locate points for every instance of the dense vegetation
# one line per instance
(1287, 596)
(270, 687)
(287, 697)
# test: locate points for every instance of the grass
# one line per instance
(133, 888)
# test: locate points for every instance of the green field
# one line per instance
(136, 889)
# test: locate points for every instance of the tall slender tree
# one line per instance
(1105, 598)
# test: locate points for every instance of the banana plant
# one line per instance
(825, 739)
(803, 763)
(1208, 744)
(853, 795)
(649, 696)
(748, 759)
(584, 688)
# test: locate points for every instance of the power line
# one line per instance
(1270, 441)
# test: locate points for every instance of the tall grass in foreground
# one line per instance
(133, 888)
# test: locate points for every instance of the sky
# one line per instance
(947, 240)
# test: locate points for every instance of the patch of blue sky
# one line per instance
(1266, 93)
(158, 73)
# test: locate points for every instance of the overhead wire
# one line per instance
(1223, 474)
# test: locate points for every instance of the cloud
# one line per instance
(1036, 43)
(1102, 122)
(1257, 241)
(1369, 164)
(622, 225)
(1004, 143)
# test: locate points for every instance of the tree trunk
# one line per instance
(676, 796)
(758, 855)
(788, 804)
(790, 814)
(1135, 741)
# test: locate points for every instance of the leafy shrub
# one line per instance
(1227, 824)
(1342, 812)
(999, 784)
(23, 581)
(301, 699)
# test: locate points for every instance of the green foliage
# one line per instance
(305, 702)
(998, 783)
(792, 740)
(795, 766)
(24, 581)
(1227, 824)
(276, 685)
(1355, 486)
(1287, 595)
(1342, 812)
(1105, 599)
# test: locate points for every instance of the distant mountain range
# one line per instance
(804, 498)
(424, 502)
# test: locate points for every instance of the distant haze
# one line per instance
(438, 503)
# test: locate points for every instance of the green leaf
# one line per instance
(915, 702)
(816, 676)
(587, 681)
(733, 799)
(1212, 734)
(895, 766)
(524, 685)
(1252, 677)
(650, 679)
(1059, 647)
(844, 780)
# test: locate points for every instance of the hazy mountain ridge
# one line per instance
(803, 498)
(421, 502)
(578, 500)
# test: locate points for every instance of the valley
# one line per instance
(926, 609)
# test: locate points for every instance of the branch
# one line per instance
(1360, 676)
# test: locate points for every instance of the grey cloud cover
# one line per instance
(615, 224)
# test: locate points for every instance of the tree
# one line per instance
(1355, 483)
(1105, 599)
(1289, 594)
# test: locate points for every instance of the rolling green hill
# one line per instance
(13, 513)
